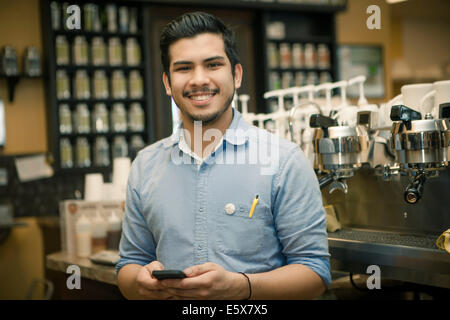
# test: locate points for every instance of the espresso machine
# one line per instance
(421, 147)
(339, 150)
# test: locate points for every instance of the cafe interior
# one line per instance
(361, 86)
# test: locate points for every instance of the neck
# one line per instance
(204, 138)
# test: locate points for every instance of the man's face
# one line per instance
(201, 81)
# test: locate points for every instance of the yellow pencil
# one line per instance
(255, 202)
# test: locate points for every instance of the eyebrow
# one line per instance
(184, 62)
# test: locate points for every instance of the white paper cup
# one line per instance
(93, 187)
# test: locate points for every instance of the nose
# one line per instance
(200, 77)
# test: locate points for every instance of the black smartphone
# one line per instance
(168, 274)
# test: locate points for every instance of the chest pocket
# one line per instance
(236, 233)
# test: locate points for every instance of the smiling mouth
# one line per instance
(202, 95)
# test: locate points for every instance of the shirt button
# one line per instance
(201, 209)
(230, 208)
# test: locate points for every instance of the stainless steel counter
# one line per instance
(405, 257)
(60, 261)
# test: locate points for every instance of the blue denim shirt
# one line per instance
(183, 214)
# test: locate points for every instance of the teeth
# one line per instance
(205, 97)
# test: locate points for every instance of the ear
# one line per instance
(166, 82)
(238, 75)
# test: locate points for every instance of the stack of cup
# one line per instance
(121, 170)
(93, 187)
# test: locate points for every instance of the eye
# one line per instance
(182, 68)
(214, 65)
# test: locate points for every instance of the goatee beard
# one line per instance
(211, 118)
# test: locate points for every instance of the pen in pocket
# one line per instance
(255, 202)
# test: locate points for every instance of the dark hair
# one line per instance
(189, 25)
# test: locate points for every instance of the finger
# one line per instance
(190, 294)
(155, 265)
(197, 270)
(202, 281)
(154, 294)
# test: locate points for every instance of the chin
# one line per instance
(205, 118)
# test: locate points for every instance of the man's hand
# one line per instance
(149, 287)
(207, 281)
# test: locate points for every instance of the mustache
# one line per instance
(204, 90)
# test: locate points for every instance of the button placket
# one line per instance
(201, 227)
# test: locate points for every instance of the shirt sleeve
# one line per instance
(136, 244)
(299, 215)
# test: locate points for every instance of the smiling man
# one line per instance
(236, 233)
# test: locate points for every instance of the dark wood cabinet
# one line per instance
(304, 23)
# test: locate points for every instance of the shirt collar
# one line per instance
(236, 133)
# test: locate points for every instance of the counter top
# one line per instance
(400, 257)
(411, 258)
(59, 261)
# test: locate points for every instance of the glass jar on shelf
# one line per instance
(310, 56)
(82, 119)
(323, 56)
(82, 87)
(66, 153)
(98, 52)
(274, 81)
(120, 147)
(101, 90)
(285, 56)
(56, 15)
(101, 152)
(136, 142)
(273, 55)
(298, 58)
(133, 51)
(119, 85)
(83, 152)
(115, 52)
(62, 85)
(123, 19)
(100, 119)
(136, 85)
(136, 117)
(62, 50)
(287, 80)
(119, 118)
(133, 23)
(65, 119)
(111, 17)
(80, 51)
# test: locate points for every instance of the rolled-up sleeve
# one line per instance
(299, 215)
(136, 244)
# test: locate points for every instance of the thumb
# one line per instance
(155, 265)
(199, 269)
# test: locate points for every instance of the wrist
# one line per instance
(245, 290)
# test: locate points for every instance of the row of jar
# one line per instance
(297, 55)
(121, 87)
(98, 53)
(288, 79)
(101, 120)
(96, 18)
(79, 155)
